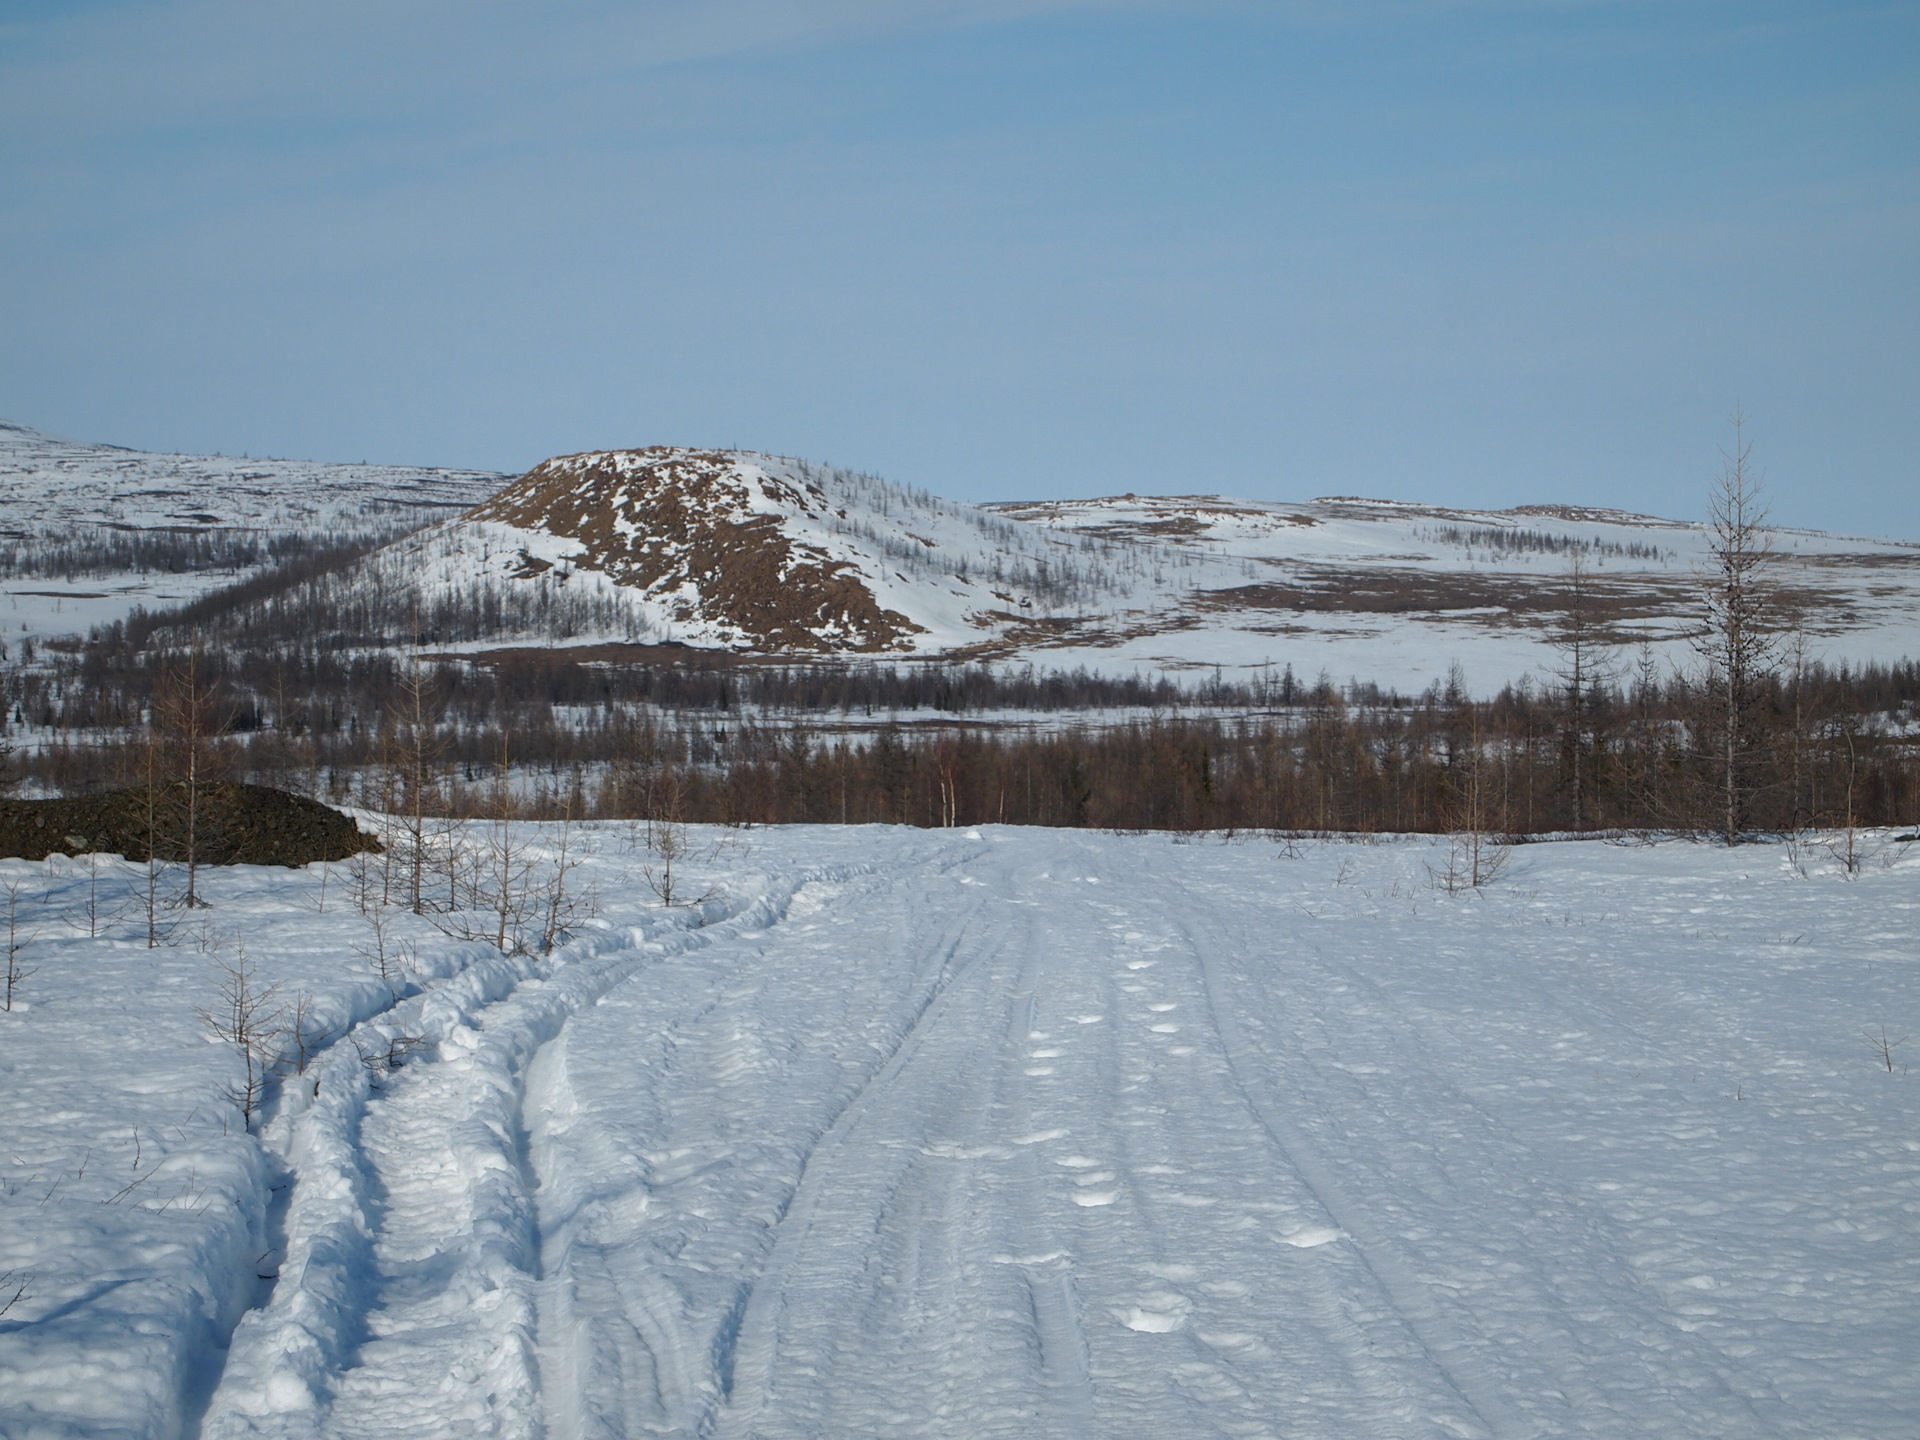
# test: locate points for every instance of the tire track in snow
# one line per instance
(292, 1365)
(1064, 1358)
(931, 1269)
(1196, 1207)
(631, 1353)
(1566, 1337)
(746, 1360)
(1437, 1335)
(1554, 1372)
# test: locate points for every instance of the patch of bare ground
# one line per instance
(666, 519)
(1379, 591)
(1885, 560)
(1023, 631)
(1592, 515)
(612, 653)
(231, 825)
(1494, 599)
(1162, 517)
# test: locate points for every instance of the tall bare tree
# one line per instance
(417, 746)
(16, 973)
(189, 710)
(1583, 663)
(153, 797)
(1739, 641)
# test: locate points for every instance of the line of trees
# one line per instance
(1814, 747)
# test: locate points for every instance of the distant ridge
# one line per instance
(759, 554)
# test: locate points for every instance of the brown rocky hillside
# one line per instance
(692, 527)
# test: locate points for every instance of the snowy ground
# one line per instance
(55, 491)
(1011, 1132)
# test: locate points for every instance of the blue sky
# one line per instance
(1483, 254)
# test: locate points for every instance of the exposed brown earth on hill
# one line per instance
(667, 520)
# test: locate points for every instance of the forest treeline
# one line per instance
(762, 744)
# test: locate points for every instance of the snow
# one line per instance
(927, 1132)
(62, 483)
(54, 489)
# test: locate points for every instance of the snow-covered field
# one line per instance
(1008, 1132)
(56, 492)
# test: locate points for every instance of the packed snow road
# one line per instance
(1034, 1133)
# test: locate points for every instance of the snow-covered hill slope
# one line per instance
(1398, 593)
(754, 552)
(751, 552)
(87, 532)
(1003, 1133)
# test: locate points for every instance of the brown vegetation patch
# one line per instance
(1327, 590)
(669, 652)
(1592, 515)
(1165, 517)
(1610, 604)
(1383, 592)
(1882, 561)
(528, 566)
(1021, 631)
(233, 825)
(665, 519)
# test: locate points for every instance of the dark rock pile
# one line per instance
(233, 825)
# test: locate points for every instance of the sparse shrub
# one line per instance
(17, 973)
(245, 1017)
(1882, 1047)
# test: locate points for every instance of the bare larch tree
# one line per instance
(1739, 642)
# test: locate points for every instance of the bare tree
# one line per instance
(1476, 852)
(360, 881)
(244, 1016)
(562, 906)
(1847, 846)
(504, 869)
(667, 837)
(1882, 1047)
(151, 814)
(390, 959)
(95, 909)
(1739, 641)
(1798, 735)
(1584, 662)
(189, 709)
(400, 1049)
(303, 1033)
(418, 752)
(17, 973)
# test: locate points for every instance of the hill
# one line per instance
(756, 554)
